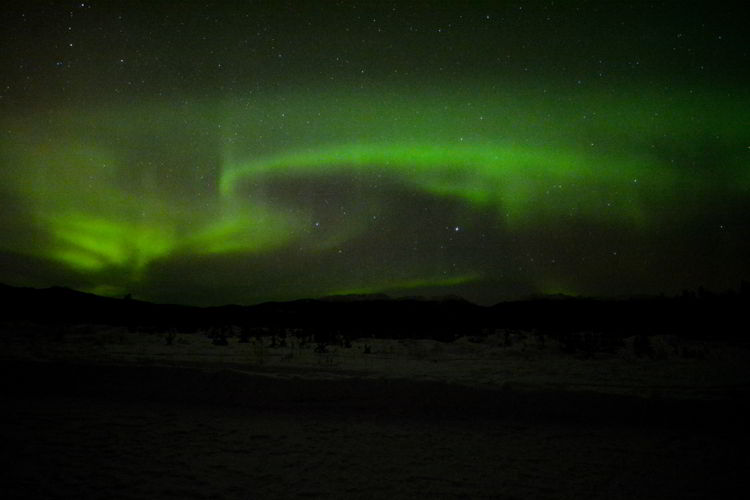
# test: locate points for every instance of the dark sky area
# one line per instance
(238, 152)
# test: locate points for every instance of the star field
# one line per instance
(221, 153)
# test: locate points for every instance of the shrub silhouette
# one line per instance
(170, 336)
(244, 335)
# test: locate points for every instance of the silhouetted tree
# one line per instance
(244, 334)
(170, 336)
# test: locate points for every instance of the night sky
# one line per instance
(211, 153)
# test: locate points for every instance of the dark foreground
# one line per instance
(157, 432)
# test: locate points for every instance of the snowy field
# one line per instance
(677, 368)
(59, 447)
(104, 413)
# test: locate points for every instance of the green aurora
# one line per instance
(106, 200)
(493, 150)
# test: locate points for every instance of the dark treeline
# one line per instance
(700, 315)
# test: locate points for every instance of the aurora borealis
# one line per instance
(491, 150)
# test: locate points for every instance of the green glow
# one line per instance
(263, 230)
(108, 193)
(92, 243)
(408, 284)
(513, 179)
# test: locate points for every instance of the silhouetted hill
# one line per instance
(702, 315)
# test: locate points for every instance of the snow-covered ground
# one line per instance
(679, 369)
(61, 447)
(104, 413)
